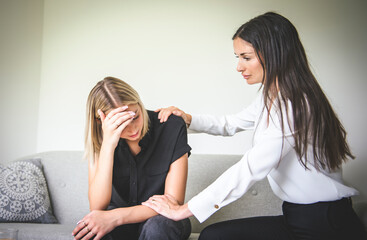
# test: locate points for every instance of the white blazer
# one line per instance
(271, 156)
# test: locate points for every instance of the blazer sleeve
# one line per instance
(269, 147)
(227, 125)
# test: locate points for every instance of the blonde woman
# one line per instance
(132, 156)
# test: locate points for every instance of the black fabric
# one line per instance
(335, 220)
(155, 228)
(324, 220)
(256, 228)
(136, 178)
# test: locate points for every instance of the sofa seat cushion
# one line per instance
(38, 231)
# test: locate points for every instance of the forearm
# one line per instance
(100, 186)
(227, 125)
(135, 214)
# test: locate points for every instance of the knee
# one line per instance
(159, 227)
(156, 224)
(210, 233)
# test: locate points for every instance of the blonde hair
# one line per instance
(108, 94)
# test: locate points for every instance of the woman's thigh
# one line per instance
(256, 228)
(128, 231)
(159, 227)
(324, 220)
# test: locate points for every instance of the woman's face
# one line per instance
(132, 132)
(248, 64)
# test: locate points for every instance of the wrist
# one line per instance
(188, 119)
(118, 217)
(108, 147)
(183, 212)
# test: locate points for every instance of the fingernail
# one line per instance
(124, 107)
(132, 113)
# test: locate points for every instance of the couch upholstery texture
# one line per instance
(67, 179)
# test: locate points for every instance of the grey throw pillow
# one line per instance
(24, 195)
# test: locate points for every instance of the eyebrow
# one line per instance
(244, 53)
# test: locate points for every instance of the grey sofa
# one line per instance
(66, 175)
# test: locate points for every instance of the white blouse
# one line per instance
(271, 156)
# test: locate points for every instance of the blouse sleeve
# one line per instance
(226, 125)
(181, 145)
(256, 164)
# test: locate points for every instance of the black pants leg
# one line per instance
(155, 228)
(334, 220)
(257, 228)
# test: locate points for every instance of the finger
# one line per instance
(101, 115)
(88, 235)
(97, 237)
(158, 110)
(161, 115)
(177, 113)
(79, 226)
(116, 110)
(119, 115)
(150, 205)
(81, 234)
(118, 119)
(166, 115)
(122, 126)
(161, 110)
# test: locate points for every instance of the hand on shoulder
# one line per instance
(164, 113)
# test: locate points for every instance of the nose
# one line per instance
(240, 67)
(133, 127)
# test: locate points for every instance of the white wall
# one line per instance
(180, 53)
(20, 66)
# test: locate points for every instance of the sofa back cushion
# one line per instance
(67, 179)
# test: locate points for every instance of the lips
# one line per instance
(246, 76)
(135, 135)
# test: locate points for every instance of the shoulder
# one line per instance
(173, 121)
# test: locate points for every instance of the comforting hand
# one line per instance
(96, 224)
(168, 206)
(114, 123)
(164, 113)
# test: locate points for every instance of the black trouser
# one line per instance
(155, 228)
(334, 220)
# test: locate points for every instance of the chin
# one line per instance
(250, 82)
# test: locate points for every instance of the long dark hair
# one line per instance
(287, 77)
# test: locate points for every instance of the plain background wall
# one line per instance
(20, 69)
(173, 53)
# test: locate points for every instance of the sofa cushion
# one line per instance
(36, 231)
(67, 178)
(24, 194)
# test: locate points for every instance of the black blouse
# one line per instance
(136, 178)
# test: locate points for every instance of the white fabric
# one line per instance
(271, 156)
